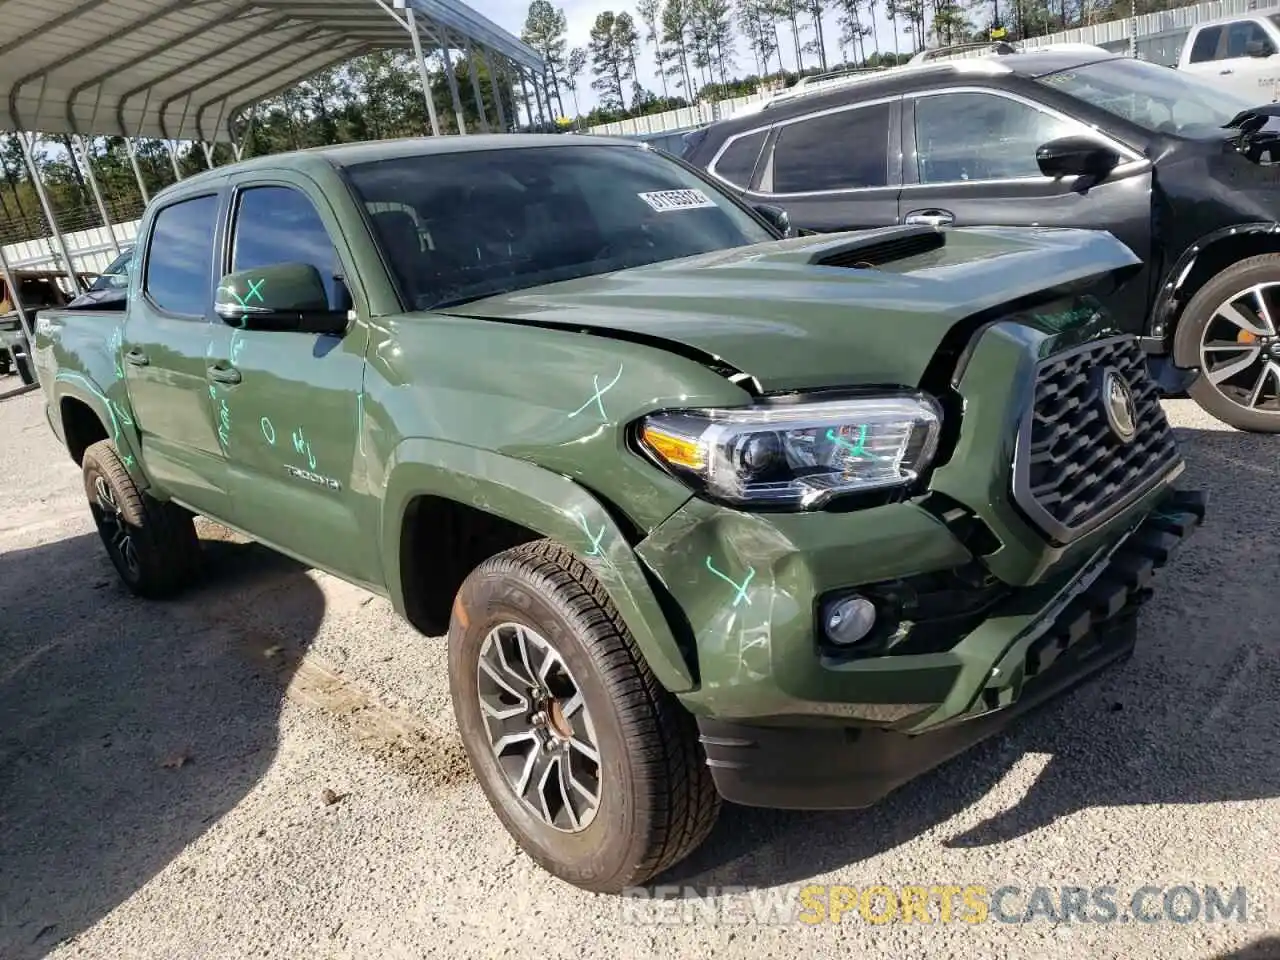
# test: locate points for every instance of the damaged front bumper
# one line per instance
(788, 727)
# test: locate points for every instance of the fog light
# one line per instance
(849, 619)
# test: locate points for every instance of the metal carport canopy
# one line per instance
(181, 69)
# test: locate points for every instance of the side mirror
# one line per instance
(286, 297)
(778, 217)
(1258, 48)
(1076, 157)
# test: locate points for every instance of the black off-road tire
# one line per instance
(1191, 326)
(657, 799)
(165, 547)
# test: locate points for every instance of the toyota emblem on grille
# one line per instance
(1117, 401)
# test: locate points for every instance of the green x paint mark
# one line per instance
(595, 540)
(255, 290)
(740, 588)
(597, 397)
(858, 449)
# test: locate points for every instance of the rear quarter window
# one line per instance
(738, 162)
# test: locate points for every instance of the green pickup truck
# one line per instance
(704, 510)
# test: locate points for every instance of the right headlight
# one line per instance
(800, 454)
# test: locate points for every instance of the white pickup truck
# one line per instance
(1241, 54)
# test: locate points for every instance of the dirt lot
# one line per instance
(268, 767)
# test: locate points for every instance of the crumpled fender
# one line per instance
(546, 502)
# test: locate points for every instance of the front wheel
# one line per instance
(153, 545)
(592, 767)
(1231, 328)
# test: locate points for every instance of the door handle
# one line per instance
(224, 374)
(1223, 73)
(929, 218)
(137, 357)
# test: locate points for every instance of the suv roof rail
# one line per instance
(999, 47)
(838, 73)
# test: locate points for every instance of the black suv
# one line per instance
(1175, 168)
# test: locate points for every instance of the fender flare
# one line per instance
(551, 505)
(1161, 327)
(115, 417)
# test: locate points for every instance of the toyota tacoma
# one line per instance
(704, 511)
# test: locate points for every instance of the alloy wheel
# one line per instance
(1240, 348)
(539, 728)
(114, 527)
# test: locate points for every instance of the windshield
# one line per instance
(487, 222)
(1159, 99)
(116, 276)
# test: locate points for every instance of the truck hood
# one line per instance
(769, 311)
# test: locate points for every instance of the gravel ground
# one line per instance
(268, 767)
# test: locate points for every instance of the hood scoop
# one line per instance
(874, 249)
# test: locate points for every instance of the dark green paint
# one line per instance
(324, 442)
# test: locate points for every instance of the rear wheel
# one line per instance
(589, 763)
(153, 545)
(1232, 329)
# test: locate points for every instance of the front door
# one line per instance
(835, 170)
(288, 405)
(971, 161)
(164, 355)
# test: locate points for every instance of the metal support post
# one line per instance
(474, 71)
(132, 149)
(173, 158)
(43, 196)
(453, 82)
(12, 286)
(539, 97)
(87, 163)
(496, 76)
(524, 87)
(423, 75)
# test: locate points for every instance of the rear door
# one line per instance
(835, 169)
(165, 347)
(1239, 56)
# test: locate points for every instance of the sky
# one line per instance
(510, 15)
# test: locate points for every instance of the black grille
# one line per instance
(876, 253)
(1073, 470)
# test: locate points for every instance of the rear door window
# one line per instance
(845, 150)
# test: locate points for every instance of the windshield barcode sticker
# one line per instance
(664, 200)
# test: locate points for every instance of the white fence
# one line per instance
(90, 250)
(705, 112)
